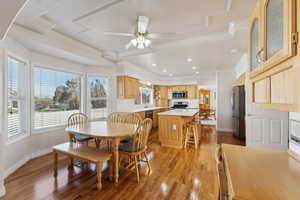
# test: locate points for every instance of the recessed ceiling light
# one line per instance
(170, 74)
(194, 67)
(154, 65)
(164, 70)
(189, 59)
(197, 72)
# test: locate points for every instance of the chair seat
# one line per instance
(81, 138)
(127, 140)
(127, 147)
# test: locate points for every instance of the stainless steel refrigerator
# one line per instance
(238, 112)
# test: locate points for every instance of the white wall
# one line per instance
(18, 153)
(225, 82)
(241, 66)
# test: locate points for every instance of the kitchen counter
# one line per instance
(259, 174)
(181, 112)
(148, 109)
(171, 126)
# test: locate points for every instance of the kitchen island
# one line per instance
(171, 126)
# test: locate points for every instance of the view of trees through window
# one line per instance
(98, 97)
(56, 97)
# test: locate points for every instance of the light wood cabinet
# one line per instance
(272, 34)
(127, 87)
(282, 90)
(161, 95)
(192, 91)
(273, 56)
(261, 91)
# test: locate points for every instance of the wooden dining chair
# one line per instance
(78, 119)
(131, 118)
(116, 117)
(135, 150)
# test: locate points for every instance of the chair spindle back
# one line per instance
(77, 119)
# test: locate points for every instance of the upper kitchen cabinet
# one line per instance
(255, 40)
(272, 34)
(127, 87)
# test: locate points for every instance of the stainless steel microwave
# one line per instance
(180, 95)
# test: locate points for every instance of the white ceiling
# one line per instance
(202, 26)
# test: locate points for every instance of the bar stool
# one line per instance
(192, 134)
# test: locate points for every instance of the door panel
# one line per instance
(257, 127)
(276, 131)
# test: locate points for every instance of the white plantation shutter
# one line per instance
(56, 97)
(15, 98)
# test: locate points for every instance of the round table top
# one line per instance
(102, 129)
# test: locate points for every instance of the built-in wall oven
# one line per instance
(180, 95)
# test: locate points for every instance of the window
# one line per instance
(98, 97)
(56, 97)
(15, 97)
(145, 96)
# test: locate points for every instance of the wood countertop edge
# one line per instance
(227, 171)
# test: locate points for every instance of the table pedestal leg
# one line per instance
(116, 143)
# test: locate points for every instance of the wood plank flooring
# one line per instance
(176, 174)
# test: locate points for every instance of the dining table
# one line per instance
(104, 130)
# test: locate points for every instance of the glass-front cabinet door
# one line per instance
(279, 25)
(255, 41)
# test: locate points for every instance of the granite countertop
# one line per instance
(181, 112)
(147, 109)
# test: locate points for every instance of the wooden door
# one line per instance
(265, 128)
(255, 46)
(279, 28)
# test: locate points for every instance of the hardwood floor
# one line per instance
(176, 174)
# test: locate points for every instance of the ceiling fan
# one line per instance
(141, 38)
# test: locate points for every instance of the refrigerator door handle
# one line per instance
(249, 115)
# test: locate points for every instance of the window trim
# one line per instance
(25, 130)
(60, 126)
(88, 92)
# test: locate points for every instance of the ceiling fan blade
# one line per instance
(143, 22)
(165, 36)
(118, 34)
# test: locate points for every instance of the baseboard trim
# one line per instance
(2, 190)
(225, 130)
(23, 161)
